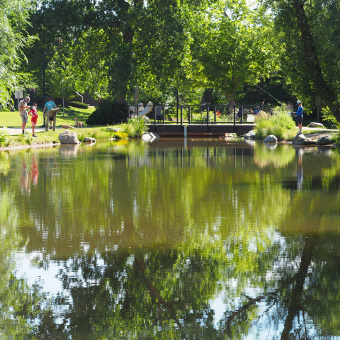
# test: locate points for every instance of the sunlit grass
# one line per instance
(123, 131)
(13, 119)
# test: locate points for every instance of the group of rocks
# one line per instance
(299, 139)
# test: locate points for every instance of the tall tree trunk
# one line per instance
(128, 36)
(206, 97)
(295, 302)
(322, 88)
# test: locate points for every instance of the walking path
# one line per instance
(18, 131)
(316, 133)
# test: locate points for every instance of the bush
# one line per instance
(24, 139)
(78, 105)
(135, 127)
(108, 113)
(119, 135)
(329, 118)
(4, 137)
(277, 125)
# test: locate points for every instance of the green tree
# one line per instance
(232, 46)
(13, 24)
(309, 32)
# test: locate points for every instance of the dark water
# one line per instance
(170, 240)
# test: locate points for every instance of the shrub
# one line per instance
(135, 127)
(335, 138)
(277, 125)
(329, 118)
(108, 113)
(119, 135)
(4, 137)
(78, 105)
(24, 139)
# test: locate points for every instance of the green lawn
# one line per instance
(13, 120)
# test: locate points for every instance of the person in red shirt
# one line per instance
(34, 113)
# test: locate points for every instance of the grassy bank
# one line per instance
(123, 131)
(13, 119)
(134, 128)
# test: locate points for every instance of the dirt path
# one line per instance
(316, 133)
(17, 131)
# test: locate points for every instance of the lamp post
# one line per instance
(44, 83)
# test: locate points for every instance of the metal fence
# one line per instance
(198, 114)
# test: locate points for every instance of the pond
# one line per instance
(176, 239)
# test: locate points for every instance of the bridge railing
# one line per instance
(199, 114)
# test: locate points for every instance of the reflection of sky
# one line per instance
(267, 324)
(46, 278)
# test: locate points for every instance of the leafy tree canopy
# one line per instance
(13, 23)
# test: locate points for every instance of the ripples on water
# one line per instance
(194, 240)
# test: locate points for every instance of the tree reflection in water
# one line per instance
(147, 236)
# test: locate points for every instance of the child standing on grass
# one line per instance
(34, 113)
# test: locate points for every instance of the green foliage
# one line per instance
(78, 105)
(282, 157)
(24, 139)
(14, 16)
(277, 125)
(107, 134)
(202, 117)
(4, 140)
(310, 35)
(336, 138)
(231, 47)
(119, 135)
(81, 135)
(199, 117)
(329, 118)
(108, 113)
(135, 127)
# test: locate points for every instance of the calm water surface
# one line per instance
(170, 240)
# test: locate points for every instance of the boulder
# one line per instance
(149, 137)
(314, 124)
(302, 140)
(270, 139)
(89, 140)
(68, 137)
(324, 140)
(250, 135)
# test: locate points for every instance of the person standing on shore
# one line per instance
(299, 116)
(23, 107)
(34, 113)
(50, 110)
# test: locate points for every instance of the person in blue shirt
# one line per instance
(51, 109)
(299, 116)
(257, 110)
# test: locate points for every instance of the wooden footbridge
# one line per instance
(200, 120)
(199, 130)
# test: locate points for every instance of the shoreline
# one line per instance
(311, 133)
